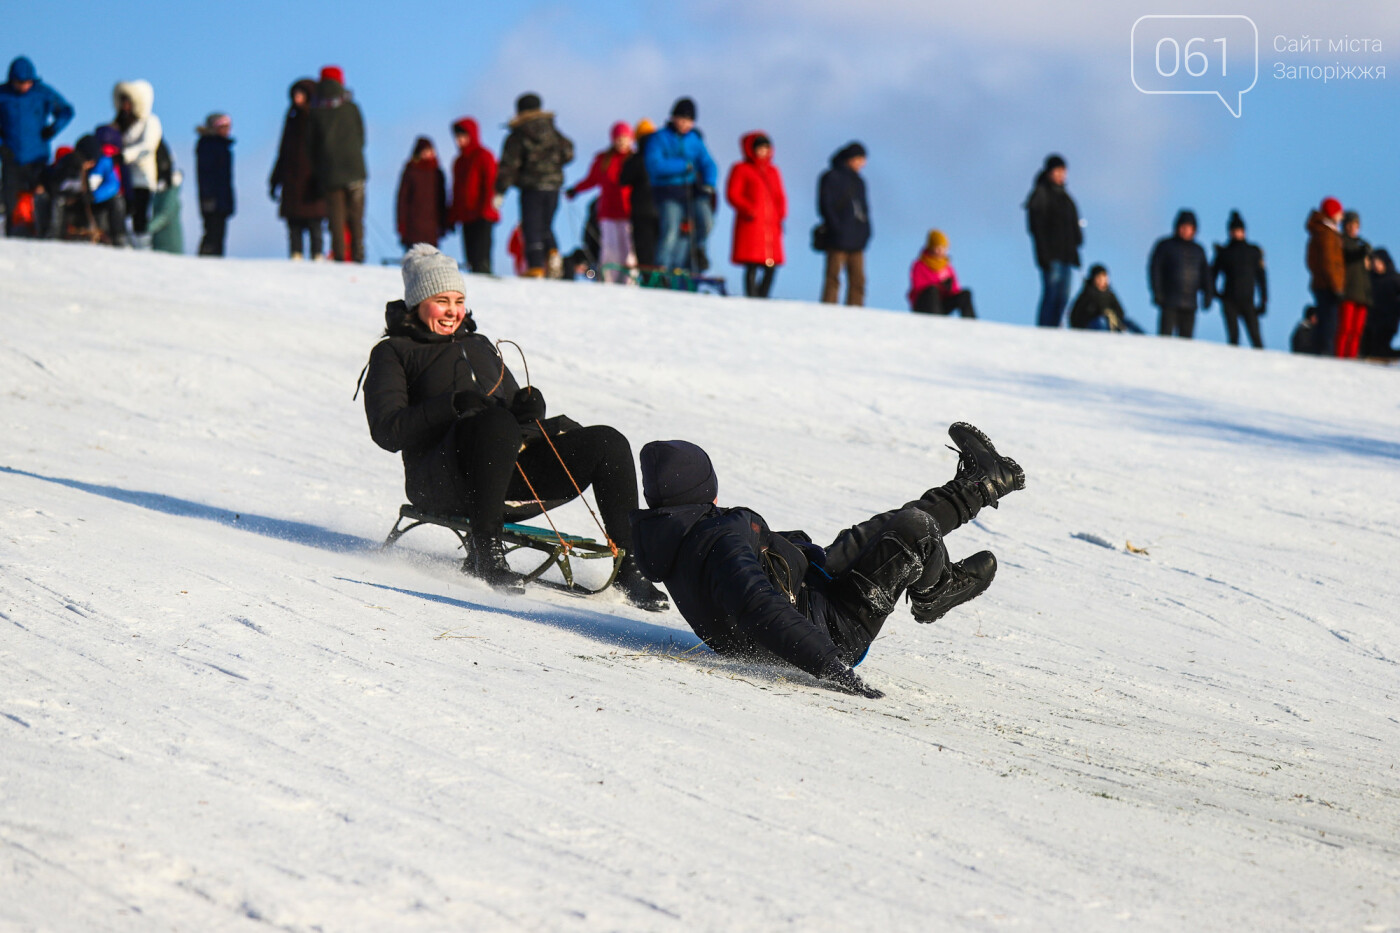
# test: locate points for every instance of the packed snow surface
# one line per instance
(223, 707)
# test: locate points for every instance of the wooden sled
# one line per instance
(558, 549)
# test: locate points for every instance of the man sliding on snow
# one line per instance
(746, 590)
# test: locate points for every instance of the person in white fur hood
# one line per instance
(141, 134)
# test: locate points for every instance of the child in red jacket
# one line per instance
(614, 204)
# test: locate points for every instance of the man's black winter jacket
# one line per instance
(740, 585)
(1177, 272)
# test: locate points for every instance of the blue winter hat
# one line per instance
(22, 69)
(677, 473)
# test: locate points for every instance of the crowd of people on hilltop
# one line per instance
(1355, 289)
(658, 190)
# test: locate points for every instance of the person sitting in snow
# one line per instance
(1098, 308)
(933, 282)
(749, 591)
(86, 195)
(438, 391)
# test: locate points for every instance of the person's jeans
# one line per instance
(1054, 293)
(537, 208)
(1328, 304)
(674, 250)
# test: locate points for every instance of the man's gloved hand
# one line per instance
(708, 192)
(48, 132)
(527, 405)
(470, 401)
(844, 679)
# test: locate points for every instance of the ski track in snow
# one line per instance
(223, 707)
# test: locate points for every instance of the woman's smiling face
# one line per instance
(443, 313)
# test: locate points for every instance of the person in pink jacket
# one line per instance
(614, 204)
(755, 191)
(933, 282)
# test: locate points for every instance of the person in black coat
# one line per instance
(1177, 273)
(646, 219)
(437, 391)
(1098, 308)
(214, 164)
(747, 590)
(293, 178)
(1383, 320)
(845, 226)
(1242, 265)
(1053, 221)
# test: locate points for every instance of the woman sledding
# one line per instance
(472, 439)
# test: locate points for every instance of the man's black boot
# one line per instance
(638, 589)
(982, 478)
(981, 466)
(961, 582)
(488, 563)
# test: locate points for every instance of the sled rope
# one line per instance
(612, 546)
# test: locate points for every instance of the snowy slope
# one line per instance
(222, 707)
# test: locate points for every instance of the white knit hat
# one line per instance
(427, 272)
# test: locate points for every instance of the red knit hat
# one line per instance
(620, 129)
(1331, 207)
(334, 73)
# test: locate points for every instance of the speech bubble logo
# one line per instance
(1206, 54)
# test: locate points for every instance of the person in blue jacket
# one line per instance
(683, 178)
(213, 156)
(31, 114)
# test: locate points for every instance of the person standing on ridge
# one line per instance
(31, 114)
(213, 156)
(338, 161)
(614, 204)
(845, 224)
(533, 159)
(1176, 273)
(1241, 264)
(1056, 234)
(422, 198)
(1327, 266)
(646, 223)
(293, 178)
(683, 178)
(141, 135)
(1356, 293)
(474, 194)
(755, 191)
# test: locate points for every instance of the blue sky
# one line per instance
(957, 106)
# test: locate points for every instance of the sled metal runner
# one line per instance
(558, 549)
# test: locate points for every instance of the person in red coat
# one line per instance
(473, 194)
(614, 204)
(422, 197)
(755, 191)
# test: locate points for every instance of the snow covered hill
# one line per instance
(222, 707)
